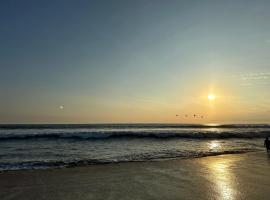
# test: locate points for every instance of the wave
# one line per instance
(134, 125)
(130, 158)
(136, 134)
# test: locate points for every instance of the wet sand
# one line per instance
(237, 176)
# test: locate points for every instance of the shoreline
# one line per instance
(89, 164)
(231, 176)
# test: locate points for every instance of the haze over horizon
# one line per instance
(135, 61)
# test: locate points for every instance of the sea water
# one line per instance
(51, 146)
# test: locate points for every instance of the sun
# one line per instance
(211, 97)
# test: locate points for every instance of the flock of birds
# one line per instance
(194, 116)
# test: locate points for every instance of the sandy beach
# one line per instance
(134, 100)
(234, 176)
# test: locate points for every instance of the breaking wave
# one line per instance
(134, 125)
(226, 134)
(157, 156)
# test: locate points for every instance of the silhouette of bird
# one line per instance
(194, 115)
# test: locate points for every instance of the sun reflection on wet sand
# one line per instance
(222, 176)
(223, 180)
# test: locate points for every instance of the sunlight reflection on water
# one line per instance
(214, 145)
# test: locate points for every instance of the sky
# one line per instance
(137, 61)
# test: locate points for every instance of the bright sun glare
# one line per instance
(211, 97)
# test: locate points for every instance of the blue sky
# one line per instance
(134, 61)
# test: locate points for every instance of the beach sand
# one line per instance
(237, 176)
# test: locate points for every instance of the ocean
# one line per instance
(57, 146)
